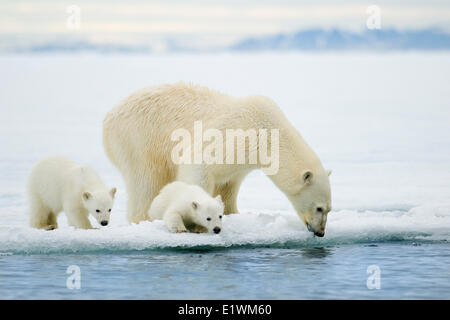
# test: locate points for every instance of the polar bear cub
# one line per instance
(58, 184)
(186, 207)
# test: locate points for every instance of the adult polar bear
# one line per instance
(137, 139)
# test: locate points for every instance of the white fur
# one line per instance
(137, 139)
(185, 207)
(58, 184)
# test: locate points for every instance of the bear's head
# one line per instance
(208, 213)
(312, 200)
(99, 204)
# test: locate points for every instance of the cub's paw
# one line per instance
(51, 227)
(199, 229)
(177, 229)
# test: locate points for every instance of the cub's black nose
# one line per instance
(216, 230)
(104, 223)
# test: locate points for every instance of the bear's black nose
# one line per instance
(104, 223)
(319, 234)
(216, 230)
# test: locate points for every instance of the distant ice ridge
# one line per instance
(307, 39)
(255, 229)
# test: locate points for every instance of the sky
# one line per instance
(218, 21)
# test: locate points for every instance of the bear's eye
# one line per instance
(319, 209)
(109, 210)
(220, 217)
(97, 210)
(209, 219)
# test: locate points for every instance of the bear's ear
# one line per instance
(329, 172)
(194, 205)
(219, 198)
(112, 192)
(87, 195)
(307, 177)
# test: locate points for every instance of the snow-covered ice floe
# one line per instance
(248, 229)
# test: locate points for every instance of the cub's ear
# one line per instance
(329, 172)
(307, 177)
(194, 205)
(112, 192)
(87, 195)
(218, 198)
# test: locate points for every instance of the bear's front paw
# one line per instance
(51, 227)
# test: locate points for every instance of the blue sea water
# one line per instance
(408, 270)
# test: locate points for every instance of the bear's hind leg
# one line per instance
(39, 213)
(229, 192)
(141, 190)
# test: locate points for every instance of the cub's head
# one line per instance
(208, 214)
(312, 201)
(99, 204)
